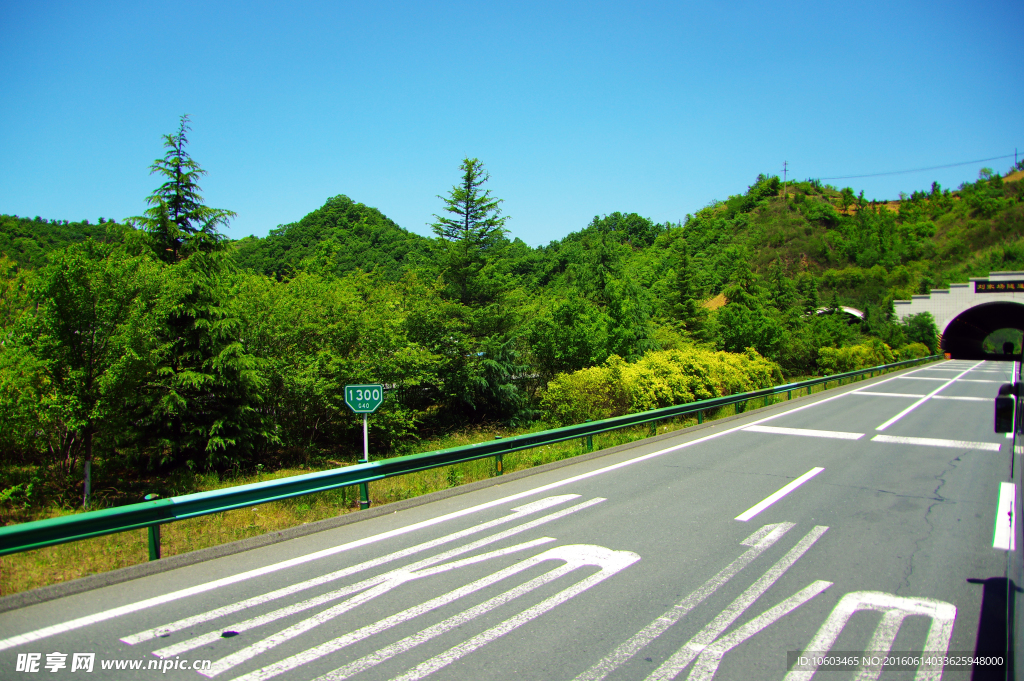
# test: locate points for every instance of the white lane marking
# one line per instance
(925, 378)
(935, 442)
(395, 580)
(1009, 436)
(865, 392)
(574, 556)
(759, 541)
(367, 583)
(976, 371)
(612, 563)
(806, 432)
(162, 599)
(410, 642)
(977, 380)
(895, 609)
(390, 581)
(707, 664)
(706, 636)
(962, 398)
(1004, 536)
(518, 513)
(757, 508)
(921, 401)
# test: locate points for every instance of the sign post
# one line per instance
(364, 399)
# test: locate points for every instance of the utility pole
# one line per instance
(785, 169)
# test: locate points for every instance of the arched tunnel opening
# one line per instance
(985, 331)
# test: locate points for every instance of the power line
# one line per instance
(919, 170)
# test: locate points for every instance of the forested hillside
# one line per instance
(156, 345)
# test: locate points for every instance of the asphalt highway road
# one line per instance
(866, 518)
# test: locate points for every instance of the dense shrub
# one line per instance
(659, 379)
(839, 360)
(913, 351)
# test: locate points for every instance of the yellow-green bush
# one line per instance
(658, 379)
(913, 351)
(853, 357)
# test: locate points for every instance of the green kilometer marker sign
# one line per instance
(364, 399)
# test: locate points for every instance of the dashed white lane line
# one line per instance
(1006, 519)
(924, 399)
(962, 398)
(865, 392)
(754, 510)
(935, 442)
(806, 432)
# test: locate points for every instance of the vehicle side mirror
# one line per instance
(1005, 403)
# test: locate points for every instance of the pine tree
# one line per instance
(473, 234)
(687, 307)
(177, 220)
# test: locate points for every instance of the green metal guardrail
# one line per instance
(155, 512)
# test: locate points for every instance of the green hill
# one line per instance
(338, 237)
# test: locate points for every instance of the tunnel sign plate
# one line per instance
(998, 286)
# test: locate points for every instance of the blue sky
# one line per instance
(576, 109)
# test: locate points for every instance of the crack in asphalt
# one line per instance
(952, 466)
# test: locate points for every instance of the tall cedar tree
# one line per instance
(473, 233)
(178, 221)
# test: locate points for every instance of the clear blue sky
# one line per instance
(576, 109)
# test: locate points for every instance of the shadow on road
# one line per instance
(992, 634)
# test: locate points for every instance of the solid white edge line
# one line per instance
(924, 399)
(104, 615)
(936, 442)
(754, 510)
(1004, 534)
(805, 432)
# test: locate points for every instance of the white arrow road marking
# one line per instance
(394, 579)
(924, 399)
(806, 432)
(759, 541)
(575, 557)
(1006, 520)
(706, 636)
(895, 609)
(757, 508)
(707, 664)
(210, 637)
(609, 561)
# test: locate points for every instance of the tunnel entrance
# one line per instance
(982, 332)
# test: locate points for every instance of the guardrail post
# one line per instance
(498, 468)
(364, 492)
(789, 394)
(588, 445)
(700, 416)
(154, 533)
(654, 428)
